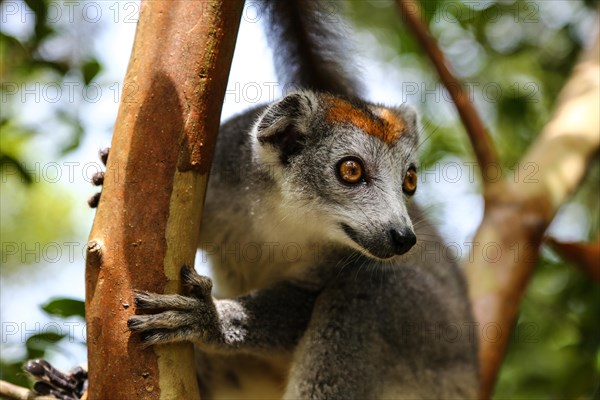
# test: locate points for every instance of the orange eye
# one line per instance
(409, 185)
(350, 170)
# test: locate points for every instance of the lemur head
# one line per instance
(345, 167)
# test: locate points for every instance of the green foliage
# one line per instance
(64, 308)
(36, 346)
(26, 223)
(24, 60)
(557, 357)
(9, 162)
(39, 345)
(35, 211)
(89, 70)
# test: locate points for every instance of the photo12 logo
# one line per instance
(68, 12)
(69, 92)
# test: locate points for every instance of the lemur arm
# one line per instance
(263, 321)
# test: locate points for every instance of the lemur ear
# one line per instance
(284, 125)
(410, 116)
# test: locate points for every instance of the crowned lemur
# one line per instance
(311, 234)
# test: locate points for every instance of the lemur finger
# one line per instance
(38, 368)
(103, 153)
(152, 301)
(199, 286)
(98, 178)
(80, 376)
(78, 373)
(44, 389)
(42, 370)
(150, 338)
(157, 336)
(165, 320)
(94, 200)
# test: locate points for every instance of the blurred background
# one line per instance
(62, 65)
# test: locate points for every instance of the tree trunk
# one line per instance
(148, 220)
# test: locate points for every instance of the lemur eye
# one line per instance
(350, 170)
(409, 185)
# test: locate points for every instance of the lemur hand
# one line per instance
(98, 178)
(51, 382)
(179, 318)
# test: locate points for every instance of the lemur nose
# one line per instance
(402, 242)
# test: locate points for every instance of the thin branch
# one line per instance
(480, 140)
(584, 256)
(517, 213)
(10, 391)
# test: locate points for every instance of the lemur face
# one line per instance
(347, 167)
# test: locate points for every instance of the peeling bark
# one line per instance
(147, 223)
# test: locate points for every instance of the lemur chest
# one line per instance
(244, 261)
(234, 277)
(241, 376)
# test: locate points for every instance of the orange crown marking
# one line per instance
(384, 124)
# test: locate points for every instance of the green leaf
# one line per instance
(37, 345)
(64, 307)
(44, 339)
(40, 8)
(76, 137)
(7, 161)
(70, 118)
(13, 373)
(90, 69)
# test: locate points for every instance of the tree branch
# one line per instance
(584, 256)
(506, 246)
(480, 140)
(148, 218)
(10, 391)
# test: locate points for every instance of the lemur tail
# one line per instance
(308, 47)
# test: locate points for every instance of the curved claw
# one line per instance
(165, 320)
(151, 301)
(98, 178)
(198, 286)
(94, 200)
(103, 154)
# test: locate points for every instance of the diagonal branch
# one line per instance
(584, 256)
(480, 140)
